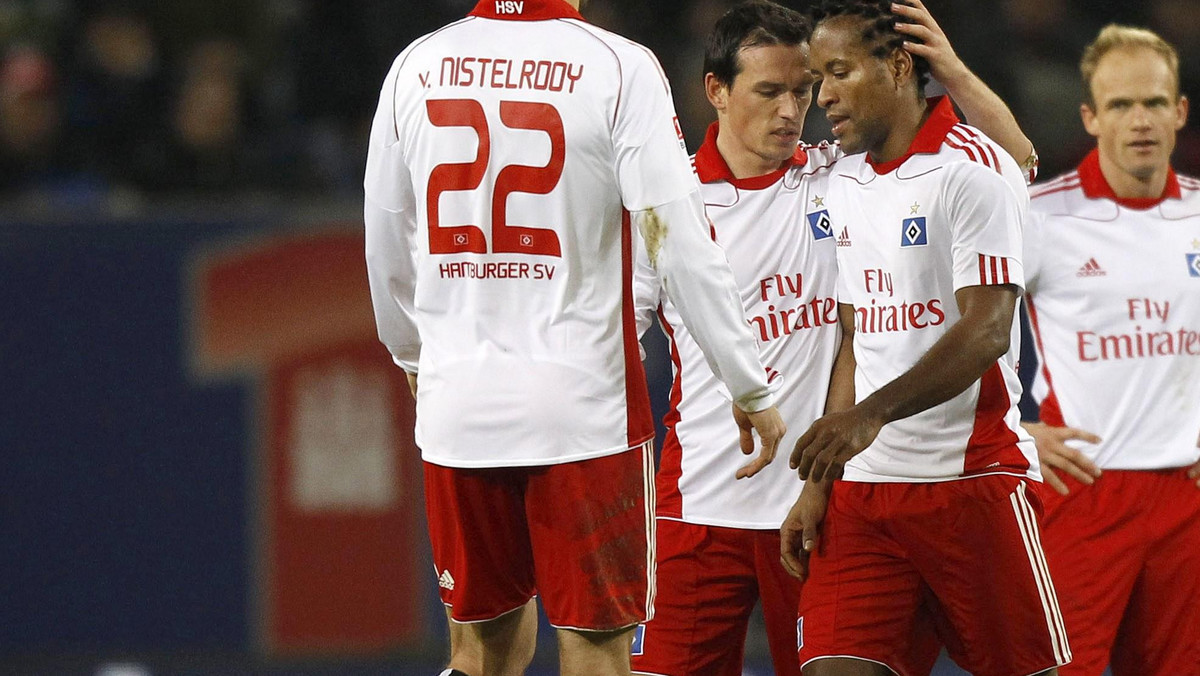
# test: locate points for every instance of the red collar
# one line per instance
(930, 136)
(525, 10)
(1095, 186)
(711, 167)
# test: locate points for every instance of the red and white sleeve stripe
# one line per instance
(993, 270)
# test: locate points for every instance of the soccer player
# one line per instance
(935, 519)
(1112, 263)
(512, 155)
(718, 541)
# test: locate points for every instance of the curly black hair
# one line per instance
(750, 24)
(879, 29)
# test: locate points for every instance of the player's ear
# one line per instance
(716, 91)
(1089, 119)
(900, 65)
(1181, 112)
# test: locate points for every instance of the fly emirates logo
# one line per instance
(889, 316)
(1142, 342)
(783, 316)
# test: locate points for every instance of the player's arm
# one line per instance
(841, 378)
(700, 284)
(647, 290)
(391, 272)
(389, 216)
(800, 533)
(969, 348)
(959, 358)
(662, 195)
(981, 106)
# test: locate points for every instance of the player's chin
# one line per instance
(778, 154)
(851, 143)
(1144, 165)
(780, 146)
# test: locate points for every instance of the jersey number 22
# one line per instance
(512, 178)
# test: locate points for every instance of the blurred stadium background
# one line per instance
(207, 457)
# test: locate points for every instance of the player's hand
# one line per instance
(800, 533)
(927, 40)
(1194, 473)
(770, 428)
(412, 383)
(823, 451)
(1054, 453)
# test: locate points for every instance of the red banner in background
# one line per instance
(339, 530)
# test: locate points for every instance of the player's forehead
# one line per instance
(1133, 72)
(839, 38)
(773, 64)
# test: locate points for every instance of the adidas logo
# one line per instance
(1091, 269)
(446, 580)
(843, 238)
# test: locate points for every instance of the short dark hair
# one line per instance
(751, 24)
(879, 31)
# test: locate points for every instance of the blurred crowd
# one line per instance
(229, 97)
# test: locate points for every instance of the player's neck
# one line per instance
(906, 123)
(574, 3)
(741, 161)
(1127, 186)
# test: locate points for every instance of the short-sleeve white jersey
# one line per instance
(776, 234)
(945, 216)
(1114, 301)
(506, 157)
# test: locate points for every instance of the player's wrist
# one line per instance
(820, 489)
(954, 76)
(876, 410)
(756, 402)
(1031, 164)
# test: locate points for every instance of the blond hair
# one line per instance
(1115, 36)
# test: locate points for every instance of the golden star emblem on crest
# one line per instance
(818, 201)
(1196, 243)
(913, 209)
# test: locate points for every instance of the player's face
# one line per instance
(763, 109)
(1137, 111)
(854, 85)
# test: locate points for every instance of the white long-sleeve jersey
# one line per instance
(777, 236)
(511, 157)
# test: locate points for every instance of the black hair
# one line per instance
(751, 24)
(879, 29)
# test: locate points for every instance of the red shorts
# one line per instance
(899, 563)
(1126, 559)
(579, 534)
(709, 579)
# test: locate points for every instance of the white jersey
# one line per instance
(509, 155)
(945, 216)
(1114, 300)
(776, 234)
